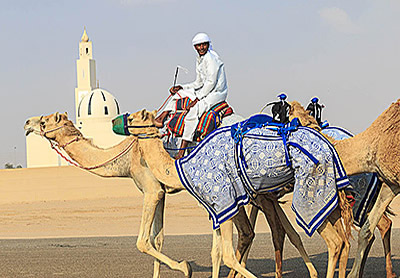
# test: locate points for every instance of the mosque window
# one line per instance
(104, 97)
(87, 50)
(105, 110)
(90, 105)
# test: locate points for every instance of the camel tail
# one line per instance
(346, 213)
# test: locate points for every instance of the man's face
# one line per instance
(202, 48)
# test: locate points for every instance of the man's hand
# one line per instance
(193, 103)
(175, 89)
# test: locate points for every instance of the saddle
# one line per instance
(208, 122)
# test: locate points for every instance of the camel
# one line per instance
(384, 224)
(127, 159)
(373, 150)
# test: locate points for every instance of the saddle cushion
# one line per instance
(223, 174)
(208, 122)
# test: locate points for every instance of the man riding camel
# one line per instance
(209, 89)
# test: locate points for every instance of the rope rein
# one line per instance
(57, 147)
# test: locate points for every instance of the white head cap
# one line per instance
(200, 38)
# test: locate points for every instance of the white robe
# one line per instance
(210, 87)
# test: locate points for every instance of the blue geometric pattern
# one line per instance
(223, 175)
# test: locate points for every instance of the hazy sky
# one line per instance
(344, 52)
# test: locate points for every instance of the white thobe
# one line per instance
(210, 87)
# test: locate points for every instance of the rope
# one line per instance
(56, 148)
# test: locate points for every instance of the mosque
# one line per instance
(94, 110)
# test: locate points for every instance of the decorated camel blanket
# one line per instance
(233, 164)
(365, 186)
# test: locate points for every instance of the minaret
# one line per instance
(85, 72)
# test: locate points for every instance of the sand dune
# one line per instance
(69, 202)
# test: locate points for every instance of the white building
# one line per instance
(94, 110)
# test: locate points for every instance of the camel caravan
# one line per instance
(236, 162)
(320, 169)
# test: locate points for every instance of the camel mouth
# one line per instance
(28, 131)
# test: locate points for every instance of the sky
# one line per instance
(347, 53)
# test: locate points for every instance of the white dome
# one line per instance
(98, 103)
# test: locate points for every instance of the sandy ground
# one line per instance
(69, 202)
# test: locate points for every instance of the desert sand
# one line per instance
(70, 202)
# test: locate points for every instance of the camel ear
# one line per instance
(143, 114)
(66, 113)
(57, 117)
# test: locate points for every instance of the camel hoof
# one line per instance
(188, 269)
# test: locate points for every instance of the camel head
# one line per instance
(51, 126)
(298, 111)
(142, 123)
(31, 124)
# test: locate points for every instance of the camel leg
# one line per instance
(143, 243)
(364, 259)
(253, 213)
(245, 237)
(228, 253)
(385, 197)
(344, 254)
(334, 243)
(158, 233)
(295, 239)
(385, 228)
(277, 230)
(216, 253)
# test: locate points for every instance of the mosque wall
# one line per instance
(40, 154)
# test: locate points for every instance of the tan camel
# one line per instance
(70, 135)
(132, 159)
(57, 127)
(369, 148)
(279, 229)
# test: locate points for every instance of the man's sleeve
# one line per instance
(197, 84)
(210, 81)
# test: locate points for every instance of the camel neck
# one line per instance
(160, 163)
(357, 154)
(116, 159)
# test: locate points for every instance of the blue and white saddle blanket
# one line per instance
(366, 186)
(234, 163)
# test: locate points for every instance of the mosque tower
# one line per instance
(94, 110)
(85, 71)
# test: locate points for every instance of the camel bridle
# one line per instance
(55, 146)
